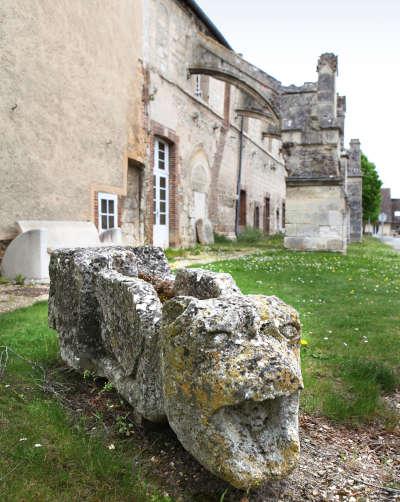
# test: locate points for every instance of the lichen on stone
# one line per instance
(221, 367)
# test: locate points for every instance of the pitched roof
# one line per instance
(199, 12)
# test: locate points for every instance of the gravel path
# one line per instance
(337, 463)
(13, 297)
(392, 241)
(210, 258)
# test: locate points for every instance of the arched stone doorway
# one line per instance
(200, 184)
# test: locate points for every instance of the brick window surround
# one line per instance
(169, 136)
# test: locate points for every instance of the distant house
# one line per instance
(391, 208)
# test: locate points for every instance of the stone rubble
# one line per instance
(204, 231)
(221, 367)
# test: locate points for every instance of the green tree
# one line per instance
(371, 190)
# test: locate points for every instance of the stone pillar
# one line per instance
(344, 161)
(341, 116)
(354, 190)
(327, 99)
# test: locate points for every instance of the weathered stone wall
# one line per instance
(310, 127)
(94, 85)
(354, 195)
(69, 90)
(205, 128)
(316, 218)
(317, 215)
(132, 217)
(354, 191)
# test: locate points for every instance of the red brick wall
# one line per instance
(96, 209)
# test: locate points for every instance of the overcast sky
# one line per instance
(285, 38)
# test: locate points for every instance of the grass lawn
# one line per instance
(350, 310)
(44, 455)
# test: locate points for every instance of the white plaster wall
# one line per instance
(68, 88)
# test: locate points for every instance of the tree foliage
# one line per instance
(371, 190)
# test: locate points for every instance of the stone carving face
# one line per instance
(231, 377)
(222, 367)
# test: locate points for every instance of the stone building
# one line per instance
(197, 117)
(143, 117)
(324, 180)
(99, 103)
(391, 209)
(354, 191)
(396, 216)
(71, 107)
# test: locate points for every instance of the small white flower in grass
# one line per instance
(23, 439)
(329, 331)
(6, 386)
(345, 344)
(37, 445)
(111, 446)
(326, 338)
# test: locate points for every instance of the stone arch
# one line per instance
(262, 90)
(199, 169)
(200, 178)
(260, 105)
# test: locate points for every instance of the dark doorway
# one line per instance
(131, 216)
(257, 217)
(283, 214)
(243, 208)
(266, 215)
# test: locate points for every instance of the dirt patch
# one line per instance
(13, 297)
(337, 463)
(210, 257)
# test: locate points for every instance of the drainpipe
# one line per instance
(239, 178)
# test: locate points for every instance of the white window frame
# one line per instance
(108, 197)
(165, 161)
(197, 86)
(161, 170)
